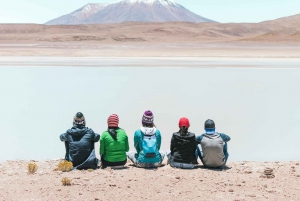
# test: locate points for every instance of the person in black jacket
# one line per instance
(79, 143)
(183, 147)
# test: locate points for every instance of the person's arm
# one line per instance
(158, 140)
(172, 145)
(195, 144)
(97, 137)
(137, 145)
(63, 137)
(199, 138)
(102, 144)
(126, 143)
(224, 137)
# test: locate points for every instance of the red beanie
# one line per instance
(184, 122)
(113, 120)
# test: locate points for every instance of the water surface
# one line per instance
(257, 107)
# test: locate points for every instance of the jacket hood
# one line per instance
(77, 130)
(184, 139)
(212, 136)
(148, 131)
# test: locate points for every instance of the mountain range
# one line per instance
(129, 11)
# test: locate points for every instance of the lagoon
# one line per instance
(256, 103)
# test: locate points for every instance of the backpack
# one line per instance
(149, 146)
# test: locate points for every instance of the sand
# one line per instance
(243, 181)
(271, 39)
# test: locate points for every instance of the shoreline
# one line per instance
(159, 62)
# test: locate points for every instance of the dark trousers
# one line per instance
(107, 163)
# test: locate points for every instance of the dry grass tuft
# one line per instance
(32, 168)
(65, 166)
(66, 181)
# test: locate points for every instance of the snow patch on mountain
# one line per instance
(130, 11)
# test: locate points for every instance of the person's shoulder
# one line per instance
(200, 136)
(138, 132)
(158, 131)
(176, 134)
(192, 134)
(121, 131)
(70, 131)
(104, 133)
(222, 134)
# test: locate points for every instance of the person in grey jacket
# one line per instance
(79, 144)
(212, 148)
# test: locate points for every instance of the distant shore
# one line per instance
(147, 49)
(243, 181)
(151, 62)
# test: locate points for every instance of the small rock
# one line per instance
(230, 190)
(80, 193)
(297, 163)
(177, 177)
(97, 199)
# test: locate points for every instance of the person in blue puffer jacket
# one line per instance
(147, 142)
(79, 144)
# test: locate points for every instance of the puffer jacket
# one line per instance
(79, 143)
(183, 148)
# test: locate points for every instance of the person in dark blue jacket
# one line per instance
(79, 143)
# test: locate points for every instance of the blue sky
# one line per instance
(41, 11)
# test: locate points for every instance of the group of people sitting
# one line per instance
(210, 147)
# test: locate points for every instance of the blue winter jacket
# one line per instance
(138, 144)
(79, 143)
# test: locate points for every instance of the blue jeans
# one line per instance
(200, 153)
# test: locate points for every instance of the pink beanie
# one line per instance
(113, 120)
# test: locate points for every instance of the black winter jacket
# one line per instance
(79, 143)
(183, 148)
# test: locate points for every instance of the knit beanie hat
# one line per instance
(147, 119)
(209, 124)
(113, 120)
(184, 122)
(79, 119)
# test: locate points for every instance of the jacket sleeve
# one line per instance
(195, 144)
(126, 144)
(137, 145)
(225, 138)
(97, 137)
(158, 138)
(199, 138)
(102, 144)
(172, 145)
(63, 137)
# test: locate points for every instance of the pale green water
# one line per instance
(258, 108)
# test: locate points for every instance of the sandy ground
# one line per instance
(242, 182)
(271, 39)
